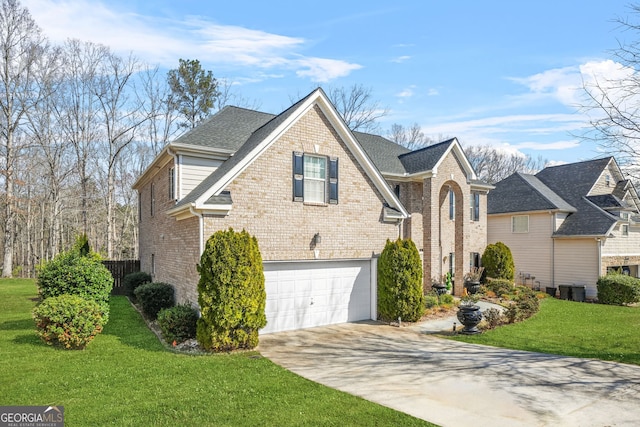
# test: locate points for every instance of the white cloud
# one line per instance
(555, 145)
(407, 92)
(401, 59)
(433, 92)
(163, 41)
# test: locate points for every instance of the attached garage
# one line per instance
(316, 293)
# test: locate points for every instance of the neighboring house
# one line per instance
(568, 224)
(320, 199)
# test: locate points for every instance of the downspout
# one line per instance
(201, 229)
(599, 243)
(553, 251)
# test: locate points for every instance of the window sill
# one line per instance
(315, 204)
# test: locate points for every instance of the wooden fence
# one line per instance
(118, 270)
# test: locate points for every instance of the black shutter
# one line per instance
(298, 177)
(333, 181)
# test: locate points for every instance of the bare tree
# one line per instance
(613, 101)
(21, 43)
(357, 107)
(158, 107)
(413, 138)
(78, 111)
(493, 165)
(120, 118)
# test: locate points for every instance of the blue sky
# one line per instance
(504, 73)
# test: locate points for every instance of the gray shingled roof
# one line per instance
(382, 152)
(228, 129)
(607, 201)
(563, 188)
(426, 158)
(523, 193)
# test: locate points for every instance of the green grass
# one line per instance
(125, 377)
(572, 329)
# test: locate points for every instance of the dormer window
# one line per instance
(607, 180)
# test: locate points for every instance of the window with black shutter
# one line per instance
(315, 178)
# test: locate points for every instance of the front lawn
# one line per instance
(125, 377)
(572, 329)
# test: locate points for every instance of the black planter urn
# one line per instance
(472, 287)
(470, 316)
(439, 288)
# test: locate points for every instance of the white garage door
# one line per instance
(306, 294)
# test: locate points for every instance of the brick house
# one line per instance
(321, 200)
(568, 224)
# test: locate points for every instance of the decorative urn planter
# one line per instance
(440, 288)
(473, 287)
(470, 316)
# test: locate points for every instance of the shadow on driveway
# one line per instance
(452, 383)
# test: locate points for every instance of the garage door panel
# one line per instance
(308, 294)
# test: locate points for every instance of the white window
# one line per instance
(625, 229)
(315, 179)
(452, 205)
(520, 224)
(475, 206)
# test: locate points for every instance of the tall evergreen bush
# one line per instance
(231, 292)
(498, 262)
(400, 293)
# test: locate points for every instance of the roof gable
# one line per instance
(263, 137)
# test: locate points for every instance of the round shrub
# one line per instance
(431, 300)
(231, 292)
(178, 323)
(618, 289)
(498, 262)
(68, 321)
(72, 273)
(131, 281)
(400, 293)
(153, 297)
(446, 299)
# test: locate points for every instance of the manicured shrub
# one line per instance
(446, 299)
(498, 262)
(493, 318)
(153, 297)
(131, 281)
(400, 292)
(231, 292)
(618, 289)
(72, 273)
(525, 304)
(68, 321)
(431, 300)
(500, 287)
(178, 323)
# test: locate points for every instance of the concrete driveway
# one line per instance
(454, 384)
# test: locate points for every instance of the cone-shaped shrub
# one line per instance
(231, 292)
(498, 262)
(400, 282)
